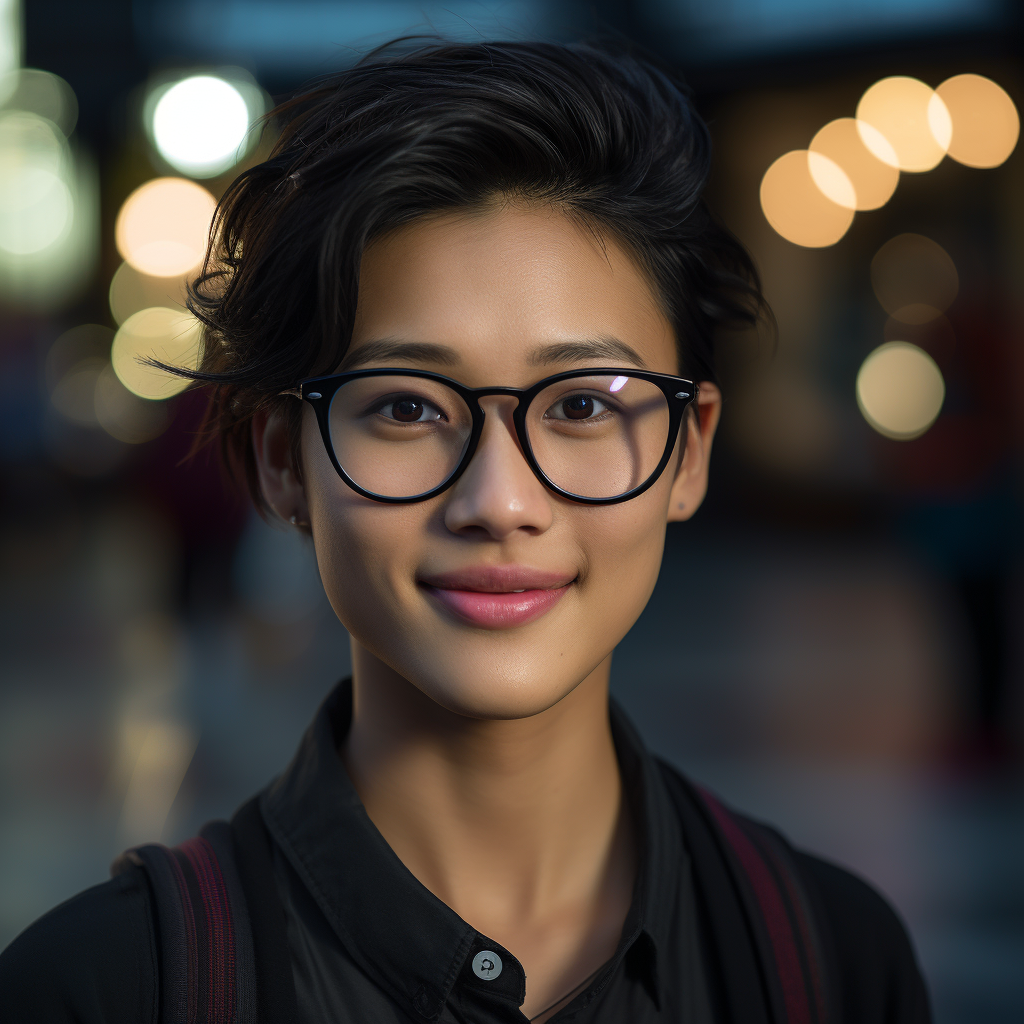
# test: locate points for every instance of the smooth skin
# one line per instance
(473, 746)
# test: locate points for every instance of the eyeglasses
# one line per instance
(596, 436)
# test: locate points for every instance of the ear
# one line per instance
(279, 480)
(691, 482)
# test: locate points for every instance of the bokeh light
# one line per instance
(833, 181)
(199, 125)
(166, 335)
(914, 278)
(74, 394)
(36, 205)
(42, 93)
(163, 226)
(49, 195)
(911, 117)
(900, 390)
(131, 291)
(797, 208)
(985, 121)
(124, 415)
(10, 42)
(873, 181)
(86, 342)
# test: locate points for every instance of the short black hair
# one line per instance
(602, 134)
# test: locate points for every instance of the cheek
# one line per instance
(623, 547)
(365, 550)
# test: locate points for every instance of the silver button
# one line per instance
(487, 965)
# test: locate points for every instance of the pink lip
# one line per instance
(486, 596)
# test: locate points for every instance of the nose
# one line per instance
(498, 493)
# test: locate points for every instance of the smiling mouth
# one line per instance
(497, 597)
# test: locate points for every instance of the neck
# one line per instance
(535, 803)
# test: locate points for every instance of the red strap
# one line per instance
(773, 911)
(214, 941)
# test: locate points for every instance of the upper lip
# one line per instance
(498, 579)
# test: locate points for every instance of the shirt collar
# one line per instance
(315, 815)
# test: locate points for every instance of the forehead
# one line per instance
(505, 290)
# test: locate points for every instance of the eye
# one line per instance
(409, 409)
(577, 407)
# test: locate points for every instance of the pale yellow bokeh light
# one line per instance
(986, 124)
(911, 118)
(166, 335)
(872, 180)
(900, 390)
(163, 226)
(797, 208)
(914, 278)
(131, 291)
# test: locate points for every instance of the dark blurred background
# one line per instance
(835, 641)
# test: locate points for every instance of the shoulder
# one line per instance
(879, 977)
(91, 959)
(865, 944)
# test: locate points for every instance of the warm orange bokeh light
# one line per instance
(796, 207)
(913, 120)
(163, 226)
(985, 121)
(914, 278)
(873, 180)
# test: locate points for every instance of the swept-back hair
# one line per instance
(605, 136)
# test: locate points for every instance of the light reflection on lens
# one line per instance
(593, 445)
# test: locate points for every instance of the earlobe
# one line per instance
(279, 482)
(691, 481)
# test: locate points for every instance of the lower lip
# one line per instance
(497, 611)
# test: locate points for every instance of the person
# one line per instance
(459, 329)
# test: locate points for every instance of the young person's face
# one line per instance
(494, 289)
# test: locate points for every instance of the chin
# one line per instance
(497, 689)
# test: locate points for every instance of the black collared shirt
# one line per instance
(369, 942)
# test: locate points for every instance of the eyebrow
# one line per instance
(580, 351)
(392, 350)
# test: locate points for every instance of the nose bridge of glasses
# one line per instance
(499, 406)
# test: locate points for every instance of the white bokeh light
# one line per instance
(199, 125)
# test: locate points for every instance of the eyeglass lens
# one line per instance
(597, 436)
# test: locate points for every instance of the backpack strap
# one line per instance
(207, 973)
(275, 984)
(779, 909)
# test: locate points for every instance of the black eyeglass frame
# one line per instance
(319, 393)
